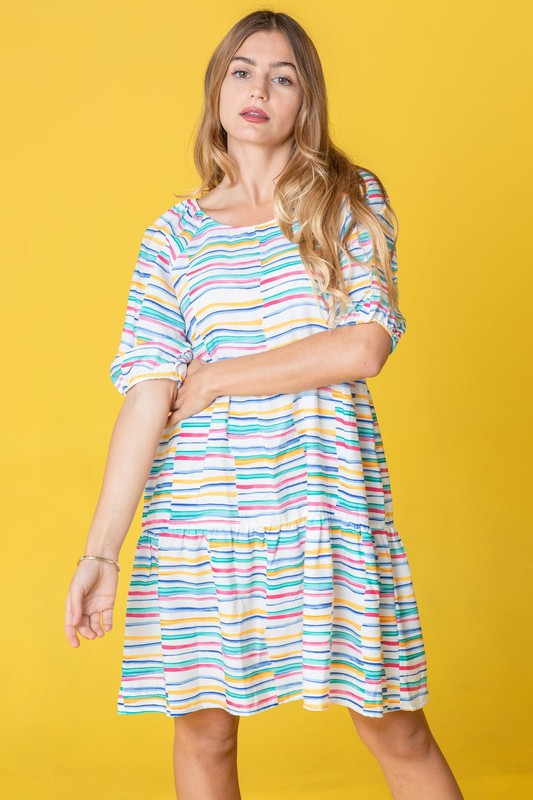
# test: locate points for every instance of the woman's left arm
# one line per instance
(346, 353)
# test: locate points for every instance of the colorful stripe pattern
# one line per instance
(268, 568)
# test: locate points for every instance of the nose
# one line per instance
(260, 89)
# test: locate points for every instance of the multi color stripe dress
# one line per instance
(268, 567)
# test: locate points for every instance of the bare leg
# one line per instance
(205, 755)
(411, 760)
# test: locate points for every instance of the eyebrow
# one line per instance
(272, 63)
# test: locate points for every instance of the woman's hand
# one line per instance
(194, 393)
(92, 592)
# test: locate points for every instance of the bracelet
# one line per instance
(101, 558)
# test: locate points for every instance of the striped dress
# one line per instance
(268, 567)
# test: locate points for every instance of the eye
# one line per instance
(280, 77)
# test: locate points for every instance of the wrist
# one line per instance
(99, 560)
(213, 378)
(97, 546)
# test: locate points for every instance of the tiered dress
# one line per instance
(268, 568)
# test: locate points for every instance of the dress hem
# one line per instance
(403, 705)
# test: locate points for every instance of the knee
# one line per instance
(398, 734)
(209, 729)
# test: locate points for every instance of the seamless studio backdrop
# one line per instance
(100, 104)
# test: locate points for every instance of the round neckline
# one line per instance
(257, 225)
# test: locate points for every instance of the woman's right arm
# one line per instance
(133, 445)
(134, 441)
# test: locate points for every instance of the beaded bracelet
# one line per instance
(101, 558)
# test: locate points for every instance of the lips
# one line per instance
(253, 111)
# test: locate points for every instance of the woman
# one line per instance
(268, 568)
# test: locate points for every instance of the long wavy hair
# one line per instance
(318, 176)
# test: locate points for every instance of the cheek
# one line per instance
(227, 93)
(223, 94)
(226, 102)
(290, 109)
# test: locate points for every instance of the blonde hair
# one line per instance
(318, 176)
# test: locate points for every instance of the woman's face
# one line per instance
(252, 81)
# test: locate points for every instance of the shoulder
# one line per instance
(375, 192)
(377, 201)
(172, 231)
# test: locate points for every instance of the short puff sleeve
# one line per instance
(153, 343)
(367, 288)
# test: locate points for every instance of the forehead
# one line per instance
(266, 46)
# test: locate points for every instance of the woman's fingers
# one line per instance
(107, 618)
(73, 614)
(88, 625)
(173, 419)
(94, 619)
(84, 627)
(71, 620)
(91, 594)
(74, 600)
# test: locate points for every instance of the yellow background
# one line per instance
(99, 104)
